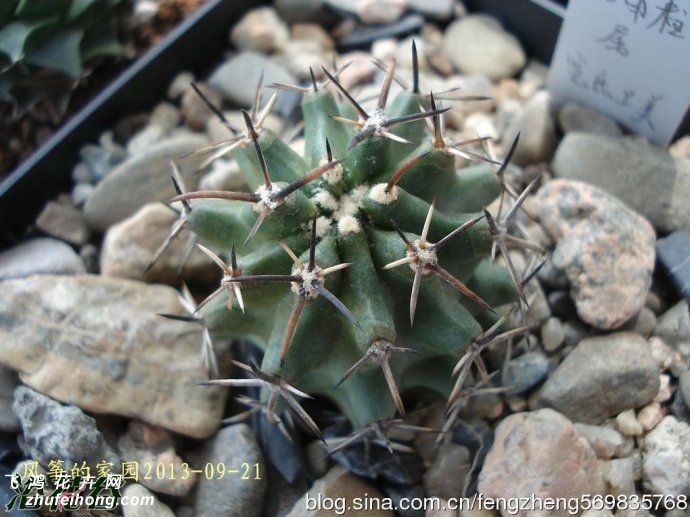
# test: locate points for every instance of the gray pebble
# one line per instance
(40, 255)
(536, 125)
(179, 85)
(157, 509)
(63, 221)
(573, 117)
(574, 332)
(303, 11)
(446, 475)
(262, 30)
(319, 462)
(525, 372)
(248, 65)
(81, 173)
(605, 441)
(165, 115)
(645, 322)
(643, 176)
(8, 382)
(552, 334)
(674, 328)
(673, 252)
(685, 386)
(680, 409)
(654, 301)
(53, 431)
(224, 175)
(601, 377)
(477, 44)
(552, 276)
(81, 192)
(142, 179)
(89, 254)
(434, 9)
(195, 111)
(620, 475)
(303, 55)
(235, 447)
(539, 309)
(100, 159)
(144, 139)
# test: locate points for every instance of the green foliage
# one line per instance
(46, 44)
(358, 257)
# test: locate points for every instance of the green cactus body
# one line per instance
(358, 217)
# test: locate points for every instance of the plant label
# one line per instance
(628, 59)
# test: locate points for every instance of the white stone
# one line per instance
(477, 44)
(627, 423)
(666, 458)
(380, 11)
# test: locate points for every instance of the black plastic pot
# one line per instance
(194, 45)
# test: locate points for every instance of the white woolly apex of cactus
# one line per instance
(325, 200)
(323, 225)
(334, 175)
(350, 203)
(348, 224)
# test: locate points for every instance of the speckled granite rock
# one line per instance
(666, 458)
(540, 453)
(53, 431)
(605, 249)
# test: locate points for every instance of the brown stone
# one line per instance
(98, 343)
(540, 454)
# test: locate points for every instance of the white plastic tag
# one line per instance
(629, 59)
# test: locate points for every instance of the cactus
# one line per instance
(361, 268)
(45, 46)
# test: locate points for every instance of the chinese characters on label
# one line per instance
(627, 59)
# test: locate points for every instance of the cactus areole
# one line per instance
(362, 267)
